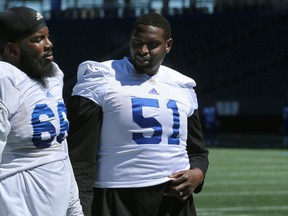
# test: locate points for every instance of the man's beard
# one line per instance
(36, 68)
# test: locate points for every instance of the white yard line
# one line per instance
(241, 209)
(246, 173)
(243, 193)
(245, 182)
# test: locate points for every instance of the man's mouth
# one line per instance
(142, 60)
(49, 56)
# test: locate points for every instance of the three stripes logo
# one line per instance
(48, 94)
(153, 91)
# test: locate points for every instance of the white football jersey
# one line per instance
(35, 169)
(144, 130)
(33, 122)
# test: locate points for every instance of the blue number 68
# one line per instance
(44, 132)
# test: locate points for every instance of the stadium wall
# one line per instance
(232, 58)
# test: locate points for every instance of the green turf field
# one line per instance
(245, 182)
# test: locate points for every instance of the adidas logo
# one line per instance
(48, 94)
(39, 16)
(153, 91)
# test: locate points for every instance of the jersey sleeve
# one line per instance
(7, 106)
(8, 91)
(59, 73)
(91, 81)
(196, 147)
(85, 118)
(194, 101)
(187, 84)
(4, 128)
(190, 85)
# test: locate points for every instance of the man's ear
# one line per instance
(12, 49)
(169, 44)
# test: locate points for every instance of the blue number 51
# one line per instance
(150, 122)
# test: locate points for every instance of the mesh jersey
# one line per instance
(144, 129)
(33, 122)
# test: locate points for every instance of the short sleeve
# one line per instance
(4, 127)
(9, 94)
(92, 81)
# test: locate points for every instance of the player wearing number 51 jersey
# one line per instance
(135, 133)
(144, 132)
(36, 177)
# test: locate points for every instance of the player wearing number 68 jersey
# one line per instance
(36, 177)
(135, 134)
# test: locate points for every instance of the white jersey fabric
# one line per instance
(144, 130)
(36, 177)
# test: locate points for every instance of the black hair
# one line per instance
(156, 20)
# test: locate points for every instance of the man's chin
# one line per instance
(141, 68)
(145, 70)
(49, 69)
(41, 73)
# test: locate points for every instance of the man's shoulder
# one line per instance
(105, 69)
(93, 68)
(10, 72)
(7, 68)
(177, 77)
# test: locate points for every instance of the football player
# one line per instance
(36, 177)
(135, 133)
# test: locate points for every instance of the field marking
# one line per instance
(236, 169)
(251, 174)
(243, 193)
(245, 182)
(248, 208)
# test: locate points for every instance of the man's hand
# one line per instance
(183, 183)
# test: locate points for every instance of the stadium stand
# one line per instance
(233, 57)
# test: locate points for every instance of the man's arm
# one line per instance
(85, 118)
(186, 182)
(196, 147)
